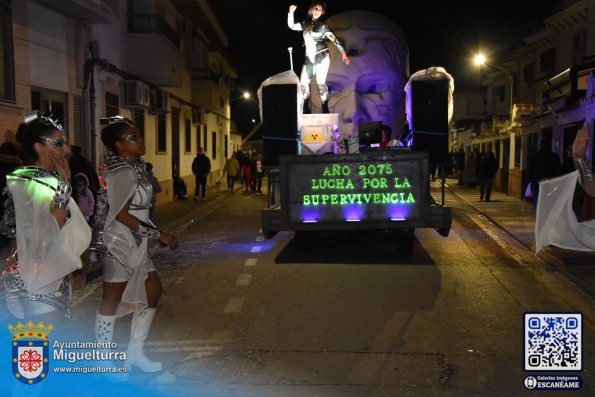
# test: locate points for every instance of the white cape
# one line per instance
(555, 222)
(46, 252)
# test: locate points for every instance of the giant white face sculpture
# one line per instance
(370, 88)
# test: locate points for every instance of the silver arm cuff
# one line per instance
(585, 175)
(144, 229)
(62, 195)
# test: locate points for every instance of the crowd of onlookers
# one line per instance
(251, 171)
(474, 170)
(243, 167)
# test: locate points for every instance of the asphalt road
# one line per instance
(245, 316)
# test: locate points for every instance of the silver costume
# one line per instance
(585, 175)
(127, 256)
(35, 279)
(317, 60)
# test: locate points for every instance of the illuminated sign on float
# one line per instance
(353, 188)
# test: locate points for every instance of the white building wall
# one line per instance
(110, 40)
(50, 50)
(47, 48)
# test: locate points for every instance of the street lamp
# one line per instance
(245, 95)
(480, 60)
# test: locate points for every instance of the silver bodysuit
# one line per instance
(139, 205)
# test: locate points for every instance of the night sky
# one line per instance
(439, 33)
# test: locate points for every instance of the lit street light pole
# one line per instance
(481, 60)
(245, 95)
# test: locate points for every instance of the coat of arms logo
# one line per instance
(30, 351)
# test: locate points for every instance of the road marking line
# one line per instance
(234, 305)
(191, 342)
(250, 262)
(187, 349)
(244, 279)
(256, 248)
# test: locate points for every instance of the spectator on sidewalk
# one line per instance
(543, 164)
(247, 171)
(79, 163)
(488, 166)
(9, 161)
(156, 189)
(470, 171)
(232, 167)
(460, 165)
(256, 173)
(83, 195)
(201, 167)
(180, 189)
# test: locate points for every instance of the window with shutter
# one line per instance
(6, 53)
(78, 127)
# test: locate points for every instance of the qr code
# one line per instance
(553, 341)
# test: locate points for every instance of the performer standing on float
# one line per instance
(317, 60)
(129, 275)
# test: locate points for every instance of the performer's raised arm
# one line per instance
(290, 19)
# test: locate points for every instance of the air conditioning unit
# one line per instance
(198, 116)
(159, 101)
(136, 94)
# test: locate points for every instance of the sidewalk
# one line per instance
(517, 218)
(175, 214)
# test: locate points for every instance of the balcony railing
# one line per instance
(139, 23)
(204, 74)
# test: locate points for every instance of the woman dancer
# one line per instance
(317, 60)
(49, 229)
(129, 275)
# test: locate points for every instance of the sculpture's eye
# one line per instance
(377, 88)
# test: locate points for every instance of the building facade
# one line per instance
(158, 62)
(545, 89)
